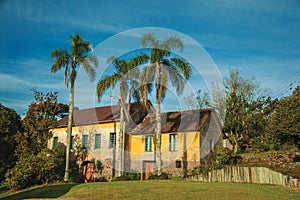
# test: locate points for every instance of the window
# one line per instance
(85, 141)
(149, 143)
(112, 140)
(55, 143)
(72, 142)
(173, 142)
(178, 163)
(97, 141)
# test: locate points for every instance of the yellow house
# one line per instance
(189, 138)
(98, 131)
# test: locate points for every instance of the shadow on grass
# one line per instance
(50, 191)
(3, 189)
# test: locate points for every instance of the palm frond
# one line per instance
(92, 58)
(120, 66)
(147, 75)
(164, 78)
(149, 39)
(89, 64)
(66, 75)
(61, 57)
(163, 93)
(89, 69)
(175, 76)
(138, 60)
(173, 42)
(134, 90)
(105, 83)
(111, 59)
(80, 48)
(183, 66)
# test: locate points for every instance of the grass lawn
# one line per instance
(169, 189)
(50, 191)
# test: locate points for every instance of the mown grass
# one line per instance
(50, 191)
(168, 189)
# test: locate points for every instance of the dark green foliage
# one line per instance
(127, 176)
(163, 176)
(284, 124)
(224, 156)
(33, 170)
(43, 168)
(10, 124)
(240, 95)
(41, 115)
(63, 110)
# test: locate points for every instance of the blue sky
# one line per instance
(258, 38)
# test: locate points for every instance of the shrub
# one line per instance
(43, 168)
(203, 169)
(127, 176)
(100, 179)
(163, 176)
(223, 155)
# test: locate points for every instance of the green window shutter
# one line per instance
(112, 140)
(97, 141)
(173, 142)
(149, 143)
(85, 141)
(55, 143)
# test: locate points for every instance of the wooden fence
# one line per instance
(261, 175)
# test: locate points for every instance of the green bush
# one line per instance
(203, 169)
(43, 168)
(127, 176)
(223, 156)
(163, 176)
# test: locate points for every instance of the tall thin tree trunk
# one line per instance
(120, 170)
(158, 121)
(69, 131)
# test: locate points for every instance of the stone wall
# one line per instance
(261, 175)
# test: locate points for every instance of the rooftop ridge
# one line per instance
(201, 110)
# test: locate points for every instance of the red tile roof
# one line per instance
(181, 121)
(142, 122)
(102, 115)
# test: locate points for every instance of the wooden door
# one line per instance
(149, 167)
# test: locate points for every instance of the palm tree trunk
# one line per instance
(158, 121)
(69, 131)
(120, 170)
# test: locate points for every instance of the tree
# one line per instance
(167, 68)
(198, 100)
(284, 124)
(257, 122)
(126, 72)
(10, 124)
(42, 114)
(240, 94)
(80, 54)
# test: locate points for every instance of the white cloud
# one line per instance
(10, 82)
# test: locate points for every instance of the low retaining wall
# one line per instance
(261, 175)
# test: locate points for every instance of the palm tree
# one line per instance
(80, 54)
(126, 74)
(167, 68)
